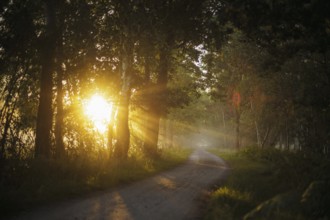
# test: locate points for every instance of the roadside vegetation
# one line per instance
(38, 182)
(273, 184)
(86, 87)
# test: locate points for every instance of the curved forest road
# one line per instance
(171, 195)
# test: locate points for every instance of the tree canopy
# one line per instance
(255, 72)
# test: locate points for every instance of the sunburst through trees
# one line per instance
(98, 110)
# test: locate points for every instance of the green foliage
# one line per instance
(228, 202)
(275, 54)
(258, 175)
(43, 181)
(277, 57)
(298, 168)
(316, 199)
(242, 183)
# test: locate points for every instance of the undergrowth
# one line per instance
(258, 175)
(44, 181)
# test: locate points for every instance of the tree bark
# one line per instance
(59, 120)
(45, 114)
(111, 132)
(121, 146)
(158, 107)
(123, 132)
(60, 149)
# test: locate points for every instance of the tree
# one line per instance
(232, 72)
(289, 31)
(18, 76)
(45, 112)
(175, 26)
(60, 68)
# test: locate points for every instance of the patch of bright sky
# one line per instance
(199, 63)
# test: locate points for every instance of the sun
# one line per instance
(98, 111)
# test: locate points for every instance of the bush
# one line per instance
(37, 182)
(263, 174)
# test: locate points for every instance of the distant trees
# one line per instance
(292, 73)
(233, 77)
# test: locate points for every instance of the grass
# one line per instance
(257, 176)
(40, 182)
(246, 186)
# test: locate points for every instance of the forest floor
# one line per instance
(174, 194)
(271, 184)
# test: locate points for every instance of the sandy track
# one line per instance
(170, 195)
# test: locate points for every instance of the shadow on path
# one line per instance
(170, 195)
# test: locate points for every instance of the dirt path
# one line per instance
(170, 195)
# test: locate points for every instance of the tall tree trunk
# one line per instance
(123, 132)
(158, 106)
(146, 127)
(151, 146)
(60, 150)
(45, 114)
(59, 144)
(111, 132)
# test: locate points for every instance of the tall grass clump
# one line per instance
(40, 181)
(258, 175)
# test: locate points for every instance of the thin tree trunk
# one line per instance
(170, 133)
(110, 139)
(224, 128)
(238, 118)
(256, 126)
(45, 114)
(265, 137)
(287, 144)
(10, 90)
(3, 140)
(258, 134)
